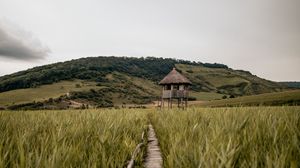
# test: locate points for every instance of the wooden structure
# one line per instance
(175, 86)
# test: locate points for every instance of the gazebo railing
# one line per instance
(175, 94)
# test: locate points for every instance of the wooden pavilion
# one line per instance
(175, 86)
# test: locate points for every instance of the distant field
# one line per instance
(277, 98)
(44, 92)
(197, 137)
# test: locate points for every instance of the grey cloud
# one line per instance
(16, 43)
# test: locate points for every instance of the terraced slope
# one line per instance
(227, 81)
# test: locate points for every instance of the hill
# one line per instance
(127, 80)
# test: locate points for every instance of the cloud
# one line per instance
(16, 43)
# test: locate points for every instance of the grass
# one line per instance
(55, 90)
(229, 137)
(206, 96)
(277, 98)
(90, 138)
(196, 137)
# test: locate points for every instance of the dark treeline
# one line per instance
(295, 85)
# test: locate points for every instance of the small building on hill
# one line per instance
(175, 86)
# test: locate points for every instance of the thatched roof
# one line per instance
(175, 77)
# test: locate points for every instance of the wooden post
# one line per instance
(186, 103)
(180, 105)
(171, 94)
(162, 98)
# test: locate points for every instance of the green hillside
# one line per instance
(227, 81)
(125, 80)
(44, 92)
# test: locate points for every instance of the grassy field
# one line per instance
(205, 137)
(277, 98)
(229, 137)
(104, 138)
(48, 91)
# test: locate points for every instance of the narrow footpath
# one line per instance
(154, 157)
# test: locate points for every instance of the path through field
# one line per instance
(153, 159)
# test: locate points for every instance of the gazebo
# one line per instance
(175, 86)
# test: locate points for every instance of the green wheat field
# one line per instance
(197, 137)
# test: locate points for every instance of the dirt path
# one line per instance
(154, 158)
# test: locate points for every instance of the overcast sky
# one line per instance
(261, 36)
